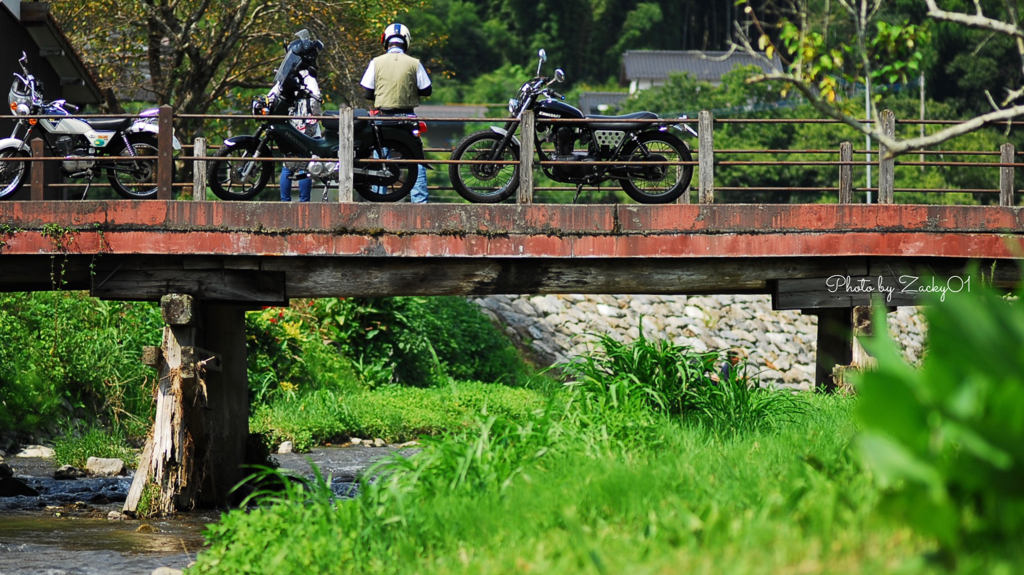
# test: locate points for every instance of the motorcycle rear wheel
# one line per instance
(657, 184)
(394, 188)
(228, 179)
(12, 174)
(135, 179)
(484, 183)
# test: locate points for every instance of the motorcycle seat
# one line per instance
(623, 126)
(360, 116)
(110, 124)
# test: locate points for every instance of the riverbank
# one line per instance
(780, 345)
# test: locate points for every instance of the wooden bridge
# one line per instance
(230, 257)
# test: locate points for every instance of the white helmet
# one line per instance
(394, 33)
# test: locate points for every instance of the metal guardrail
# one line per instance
(705, 158)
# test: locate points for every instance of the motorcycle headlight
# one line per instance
(513, 106)
(19, 109)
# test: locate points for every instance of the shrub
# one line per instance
(947, 440)
(622, 386)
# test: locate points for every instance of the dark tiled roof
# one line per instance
(707, 66)
(589, 101)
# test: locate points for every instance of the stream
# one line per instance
(65, 530)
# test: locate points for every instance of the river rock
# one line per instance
(166, 571)
(68, 472)
(13, 487)
(378, 442)
(104, 466)
(36, 451)
(285, 447)
(5, 471)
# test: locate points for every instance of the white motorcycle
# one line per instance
(80, 142)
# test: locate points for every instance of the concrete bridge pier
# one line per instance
(195, 451)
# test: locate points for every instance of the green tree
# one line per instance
(195, 55)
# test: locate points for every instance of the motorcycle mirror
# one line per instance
(543, 58)
(559, 75)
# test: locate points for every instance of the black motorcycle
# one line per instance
(652, 177)
(236, 176)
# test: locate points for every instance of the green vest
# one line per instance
(394, 81)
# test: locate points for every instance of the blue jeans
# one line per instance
(305, 186)
(419, 193)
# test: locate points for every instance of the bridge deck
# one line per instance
(268, 252)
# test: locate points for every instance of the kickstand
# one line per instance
(326, 191)
(579, 188)
(87, 184)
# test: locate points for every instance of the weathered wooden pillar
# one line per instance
(846, 173)
(706, 157)
(194, 454)
(1007, 155)
(199, 171)
(835, 329)
(346, 154)
(38, 170)
(165, 154)
(887, 166)
(524, 195)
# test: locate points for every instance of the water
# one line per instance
(65, 530)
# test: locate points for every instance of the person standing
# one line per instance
(307, 103)
(395, 82)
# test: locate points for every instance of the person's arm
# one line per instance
(423, 85)
(367, 82)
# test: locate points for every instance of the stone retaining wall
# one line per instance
(780, 344)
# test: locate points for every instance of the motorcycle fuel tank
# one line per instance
(554, 109)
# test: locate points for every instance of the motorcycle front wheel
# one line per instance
(233, 176)
(656, 183)
(12, 173)
(135, 179)
(391, 188)
(484, 183)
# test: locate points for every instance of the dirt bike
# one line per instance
(80, 141)
(650, 180)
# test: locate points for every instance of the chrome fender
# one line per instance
(503, 131)
(7, 143)
(142, 126)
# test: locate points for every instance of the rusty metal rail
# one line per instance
(707, 158)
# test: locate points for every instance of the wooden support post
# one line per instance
(346, 154)
(165, 154)
(199, 171)
(38, 171)
(846, 173)
(886, 165)
(706, 157)
(174, 458)
(1007, 155)
(835, 329)
(524, 195)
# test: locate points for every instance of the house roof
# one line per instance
(590, 101)
(708, 66)
(77, 81)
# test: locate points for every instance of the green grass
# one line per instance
(76, 448)
(791, 500)
(392, 413)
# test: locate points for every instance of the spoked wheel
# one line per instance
(391, 181)
(12, 173)
(135, 179)
(484, 183)
(233, 176)
(656, 183)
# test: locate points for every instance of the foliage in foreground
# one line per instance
(947, 441)
(67, 355)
